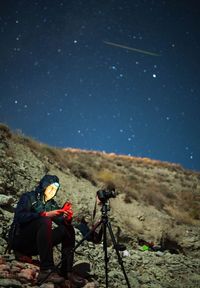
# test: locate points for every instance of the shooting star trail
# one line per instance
(130, 48)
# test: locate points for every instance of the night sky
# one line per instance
(67, 80)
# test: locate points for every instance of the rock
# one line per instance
(5, 200)
(141, 218)
(195, 279)
(159, 253)
(47, 285)
(91, 285)
(27, 274)
(18, 264)
(10, 283)
(15, 270)
(4, 267)
(144, 278)
(5, 274)
(132, 277)
(2, 260)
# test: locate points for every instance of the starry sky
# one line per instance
(71, 75)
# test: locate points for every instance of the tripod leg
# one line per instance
(118, 254)
(105, 252)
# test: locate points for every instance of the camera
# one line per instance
(104, 195)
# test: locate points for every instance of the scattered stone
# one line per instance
(27, 274)
(5, 200)
(4, 267)
(10, 283)
(91, 285)
(141, 218)
(159, 253)
(47, 285)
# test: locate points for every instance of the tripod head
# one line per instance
(105, 208)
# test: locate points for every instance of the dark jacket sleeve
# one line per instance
(23, 213)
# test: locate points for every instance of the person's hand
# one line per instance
(68, 215)
(67, 212)
(52, 214)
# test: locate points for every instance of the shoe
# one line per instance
(49, 276)
(76, 280)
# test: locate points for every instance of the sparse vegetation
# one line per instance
(5, 131)
(153, 183)
(130, 196)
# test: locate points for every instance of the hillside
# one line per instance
(157, 202)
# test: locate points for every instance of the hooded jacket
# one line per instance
(31, 204)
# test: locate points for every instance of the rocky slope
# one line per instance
(156, 214)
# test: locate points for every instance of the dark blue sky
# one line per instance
(61, 84)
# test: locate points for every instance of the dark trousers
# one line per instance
(38, 238)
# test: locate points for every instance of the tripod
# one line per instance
(106, 225)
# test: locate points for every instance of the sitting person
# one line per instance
(32, 233)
